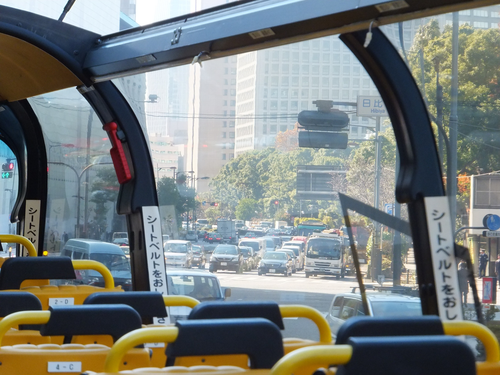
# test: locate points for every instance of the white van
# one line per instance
(257, 244)
(112, 256)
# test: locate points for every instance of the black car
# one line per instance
(214, 237)
(275, 262)
(199, 256)
(226, 257)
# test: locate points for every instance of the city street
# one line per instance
(317, 292)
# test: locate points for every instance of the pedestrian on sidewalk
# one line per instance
(483, 261)
(497, 269)
(463, 281)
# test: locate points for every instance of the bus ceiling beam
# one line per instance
(242, 26)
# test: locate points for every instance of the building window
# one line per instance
(295, 57)
(346, 59)
(326, 45)
(224, 124)
(487, 192)
(231, 156)
(315, 82)
(231, 134)
(294, 94)
(284, 93)
(295, 69)
(264, 129)
(223, 156)
(223, 134)
(304, 93)
(326, 70)
(285, 68)
(273, 129)
(294, 105)
(295, 81)
(285, 56)
(273, 105)
(305, 57)
(274, 81)
(284, 81)
(325, 93)
(305, 81)
(275, 69)
(231, 124)
(305, 69)
(274, 93)
(315, 70)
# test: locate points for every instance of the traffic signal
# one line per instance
(9, 166)
(214, 204)
(7, 169)
(276, 202)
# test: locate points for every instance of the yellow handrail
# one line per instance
(479, 331)
(299, 311)
(109, 282)
(320, 356)
(134, 338)
(5, 238)
(180, 301)
(22, 317)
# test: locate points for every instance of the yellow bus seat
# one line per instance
(11, 302)
(424, 325)
(271, 311)
(430, 355)
(213, 340)
(115, 320)
(16, 270)
(149, 305)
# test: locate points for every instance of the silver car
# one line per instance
(347, 305)
(178, 253)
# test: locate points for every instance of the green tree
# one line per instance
(178, 195)
(246, 209)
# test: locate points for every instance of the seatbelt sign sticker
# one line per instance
(443, 258)
(154, 251)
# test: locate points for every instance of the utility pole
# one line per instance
(451, 182)
(376, 250)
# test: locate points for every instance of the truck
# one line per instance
(280, 224)
(325, 255)
(227, 229)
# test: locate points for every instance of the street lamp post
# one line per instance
(79, 176)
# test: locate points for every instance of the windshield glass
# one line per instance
(114, 262)
(253, 245)
(294, 249)
(226, 250)
(176, 247)
(396, 308)
(321, 248)
(196, 249)
(275, 255)
(202, 288)
(245, 252)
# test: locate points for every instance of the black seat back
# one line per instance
(367, 326)
(11, 302)
(148, 304)
(113, 320)
(16, 270)
(258, 338)
(229, 310)
(429, 355)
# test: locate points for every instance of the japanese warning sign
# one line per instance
(154, 252)
(32, 223)
(443, 258)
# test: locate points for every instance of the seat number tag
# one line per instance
(64, 367)
(154, 345)
(61, 301)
